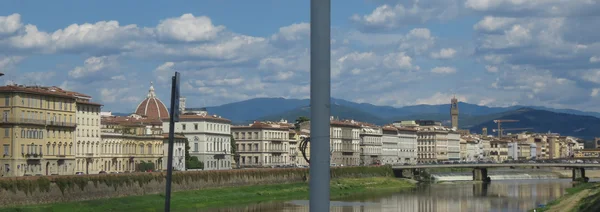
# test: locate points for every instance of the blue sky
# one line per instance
(384, 52)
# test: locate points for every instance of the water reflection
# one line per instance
(515, 195)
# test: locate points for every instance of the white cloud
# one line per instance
(446, 53)
(294, 32)
(94, 67)
(10, 24)
(594, 92)
(491, 69)
(443, 70)
(545, 57)
(188, 28)
(493, 24)
(440, 98)
(389, 17)
(6, 62)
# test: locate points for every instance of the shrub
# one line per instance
(29, 185)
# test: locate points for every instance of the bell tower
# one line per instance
(454, 112)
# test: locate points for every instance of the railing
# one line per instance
(347, 149)
(33, 156)
(13, 120)
(60, 123)
(278, 150)
(348, 137)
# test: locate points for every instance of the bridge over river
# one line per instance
(480, 172)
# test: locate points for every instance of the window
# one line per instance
(7, 100)
(195, 126)
(22, 148)
(195, 147)
(183, 126)
(6, 132)
(6, 149)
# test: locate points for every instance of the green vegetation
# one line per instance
(145, 166)
(210, 198)
(300, 120)
(449, 170)
(218, 178)
(570, 192)
(591, 202)
(191, 162)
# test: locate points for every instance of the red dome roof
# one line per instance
(152, 107)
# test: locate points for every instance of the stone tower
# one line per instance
(181, 105)
(454, 112)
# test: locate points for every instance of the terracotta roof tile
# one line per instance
(152, 108)
(41, 90)
(263, 125)
(201, 117)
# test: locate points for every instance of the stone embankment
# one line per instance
(39, 190)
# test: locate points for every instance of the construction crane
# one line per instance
(499, 122)
(513, 129)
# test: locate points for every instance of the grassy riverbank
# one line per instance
(209, 198)
(583, 197)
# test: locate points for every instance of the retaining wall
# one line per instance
(52, 189)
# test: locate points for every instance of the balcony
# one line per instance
(278, 150)
(347, 149)
(347, 137)
(61, 124)
(33, 156)
(11, 120)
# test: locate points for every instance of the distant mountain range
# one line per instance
(474, 117)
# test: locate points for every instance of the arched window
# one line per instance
(22, 133)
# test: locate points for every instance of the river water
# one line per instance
(502, 195)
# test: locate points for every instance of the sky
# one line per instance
(383, 52)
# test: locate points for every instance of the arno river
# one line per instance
(509, 195)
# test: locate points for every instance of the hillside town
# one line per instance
(52, 131)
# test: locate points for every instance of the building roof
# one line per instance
(152, 107)
(409, 129)
(264, 125)
(42, 90)
(179, 136)
(88, 103)
(201, 117)
(345, 123)
(129, 121)
(389, 128)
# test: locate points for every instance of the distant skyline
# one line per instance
(384, 52)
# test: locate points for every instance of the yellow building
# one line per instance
(39, 130)
(128, 142)
(499, 149)
(587, 153)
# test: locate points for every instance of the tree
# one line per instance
(236, 156)
(300, 120)
(191, 162)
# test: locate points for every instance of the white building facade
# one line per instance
(178, 152)
(407, 146)
(209, 137)
(87, 138)
(390, 147)
(453, 146)
(370, 145)
(262, 144)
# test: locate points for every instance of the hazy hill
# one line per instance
(338, 111)
(585, 127)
